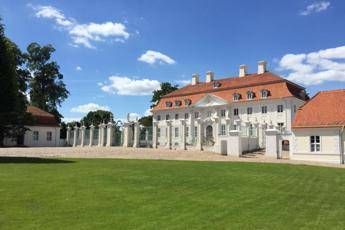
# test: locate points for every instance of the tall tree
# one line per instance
(13, 82)
(166, 87)
(97, 117)
(47, 90)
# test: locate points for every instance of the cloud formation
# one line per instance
(83, 34)
(152, 57)
(316, 67)
(89, 107)
(315, 7)
(78, 68)
(123, 85)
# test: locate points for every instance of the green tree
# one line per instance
(146, 121)
(13, 82)
(47, 90)
(166, 88)
(97, 117)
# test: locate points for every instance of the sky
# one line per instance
(113, 54)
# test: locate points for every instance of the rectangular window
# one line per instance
(35, 135)
(196, 115)
(236, 112)
(187, 131)
(222, 130)
(167, 117)
(158, 132)
(176, 132)
(249, 110)
(222, 113)
(186, 115)
(49, 136)
(264, 109)
(280, 126)
(158, 117)
(195, 131)
(176, 116)
(315, 145)
(280, 108)
(209, 114)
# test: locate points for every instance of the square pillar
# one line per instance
(183, 125)
(75, 134)
(200, 127)
(68, 136)
(235, 144)
(154, 134)
(126, 134)
(109, 134)
(272, 145)
(136, 134)
(168, 135)
(82, 136)
(92, 130)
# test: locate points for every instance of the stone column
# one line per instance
(183, 126)
(100, 135)
(92, 130)
(136, 134)
(247, 124)
(262, 135)
(75, 134)
(235, 144)
(103, 140)
(126, 127)
(272, 144)
(68, 136)
(154, 134)
(82, 136)
(168, 135)
(228, 126)
(200, 134)
(109, 134)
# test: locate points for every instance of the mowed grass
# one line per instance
(148, 194)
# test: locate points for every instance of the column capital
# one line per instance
(68, 127)
(155, 123)
(76, 127)
(92, 126)
(199, 120)
(109, 124)
(183, 122)
(82, 127)
(168, 122)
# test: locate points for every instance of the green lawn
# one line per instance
(148, 194)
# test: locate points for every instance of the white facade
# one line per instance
(39, 136)
(318, 144)
(213, 118)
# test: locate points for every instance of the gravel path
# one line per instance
(143, 153)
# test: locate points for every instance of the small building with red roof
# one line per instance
(44, 130)
(318, 128)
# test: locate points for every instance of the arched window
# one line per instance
(168, 103)
(236, 96)
(264, 93)
(216, 84)
(250, 95)
(178, 103)
(187, 102)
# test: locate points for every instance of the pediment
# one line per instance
(210, 100)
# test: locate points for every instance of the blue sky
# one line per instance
(113, 53)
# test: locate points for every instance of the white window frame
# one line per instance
(158, 117)
(264, 109)
(36, 135)
(223, 113)
(236, 111)
(195, 131)
(176, 116)
(177, 132)
(249, 109)
(250, 95)
(186, 115)
(49, 136)
(187, 131)
(222, 129)
(158, 132)
(280, 108)
(196, 114)
(315, 143)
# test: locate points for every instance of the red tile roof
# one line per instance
(42, 118)
(278, 88)
(325, 109)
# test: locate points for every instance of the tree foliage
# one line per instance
(13, 82)
(47, 90)
(97, 117)
(166, 87)
(146, 121)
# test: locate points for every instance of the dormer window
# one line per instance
(168, 104)
(250, 95)
(264, 93)
(187, 102)
(236, 96)
(178, 103)
(216, 84)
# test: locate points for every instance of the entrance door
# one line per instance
(285, 149)
(209, 135)
(224, 147)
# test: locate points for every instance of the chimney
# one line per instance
(243, 71)
(209, 76)
(195, 79)
(262, 67)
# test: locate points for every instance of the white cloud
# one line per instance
(315, 7)
(83, 34)
(89, 107)
(152, 57)
(78, 68)
(148, 112)
(122, 85)
(315, 67)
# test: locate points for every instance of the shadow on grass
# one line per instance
(32, 160)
